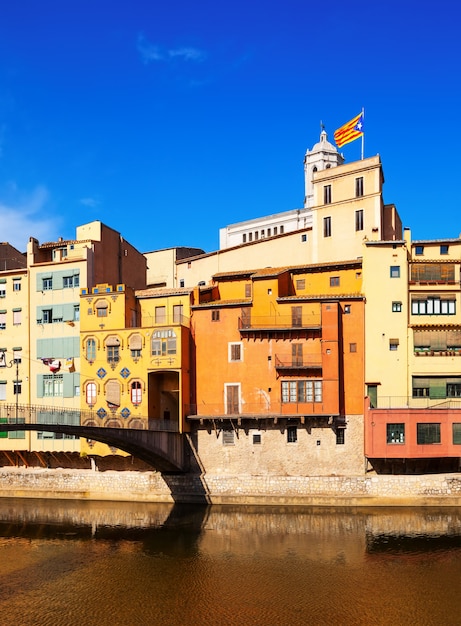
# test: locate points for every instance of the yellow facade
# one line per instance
(135, 350)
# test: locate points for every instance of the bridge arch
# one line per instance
(164, 451)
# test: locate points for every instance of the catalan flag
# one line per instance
(350, 131)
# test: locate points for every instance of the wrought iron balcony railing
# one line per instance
(281, 322)
(289, 362)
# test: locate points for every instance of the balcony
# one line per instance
(281, 323)
(258, 411)
(408, 402)
(152, 321)
(290, 362)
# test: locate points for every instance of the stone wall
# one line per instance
(365, 490)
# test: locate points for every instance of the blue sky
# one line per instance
(168, 121)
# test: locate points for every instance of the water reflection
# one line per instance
(64, 562)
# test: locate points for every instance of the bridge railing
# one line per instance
(63, 416)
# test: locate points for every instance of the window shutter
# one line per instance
(112, 341)
(39, 385)
(68, 312)
(135, 342)
(68, 385)
(58, 280)
(113, 392)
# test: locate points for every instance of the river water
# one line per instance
(64, 563)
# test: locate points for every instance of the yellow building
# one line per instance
(136, 352)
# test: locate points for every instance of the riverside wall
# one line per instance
(150, 486)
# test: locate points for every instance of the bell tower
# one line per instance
(322, 156)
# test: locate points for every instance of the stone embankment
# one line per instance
(151, 486)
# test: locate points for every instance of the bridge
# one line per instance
(164, 448)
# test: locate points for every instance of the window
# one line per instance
(235, 352)
(301, 391)
(113, 354)
(297, 316)
(396, 307)
(395, 433)
(248, 291)
(292, 434)
(232, 399)
(227, 437)
(182, 282)
(444, 249)
(268, 232)
(2, 293)
(340, 436)
(47, 284)
(359, 187)
(372, 393)
(256, 439)
(136, 392)
(393, 344)
(160, 314)
(17, 387)
(456, 432)
(90, 394)
(419, 250)
(71, 281)
(2, 320)
(215, 316)
(76, 313)
(352, 347)
(282, 229)
(135, 345)
(275, 230)
(433, 272)
(454, 390)
(47, 316)
(327, 226)
(177, 313)
(256, 235)
(300, 283)
(334, 281)
(296, 354)
(244, 238)
(17, 355)
(427, 433)
(304, 238)
(53, 385)
(395, 271)
(327, 194)
(2, 390)
(102, 308)
(16, 284)
(250, 236)
(434, 305)
(112, 393)
(91, 350)
(359, 219)
(163, 342)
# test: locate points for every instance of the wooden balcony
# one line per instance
(290, 362)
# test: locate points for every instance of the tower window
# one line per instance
(327, 194)
(359, 187)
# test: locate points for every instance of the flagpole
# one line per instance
(363, 134)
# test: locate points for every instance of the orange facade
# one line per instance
(275, 344)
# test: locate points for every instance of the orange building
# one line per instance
(279, 362)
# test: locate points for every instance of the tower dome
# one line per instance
(322, 156)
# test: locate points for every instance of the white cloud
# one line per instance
(150, 52)
(188, 54)
(90, 202)
(25, 215)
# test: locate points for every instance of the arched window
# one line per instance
(113, 350)
(136, 392)
(113, 392)
(91, 349)
(91, 393)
